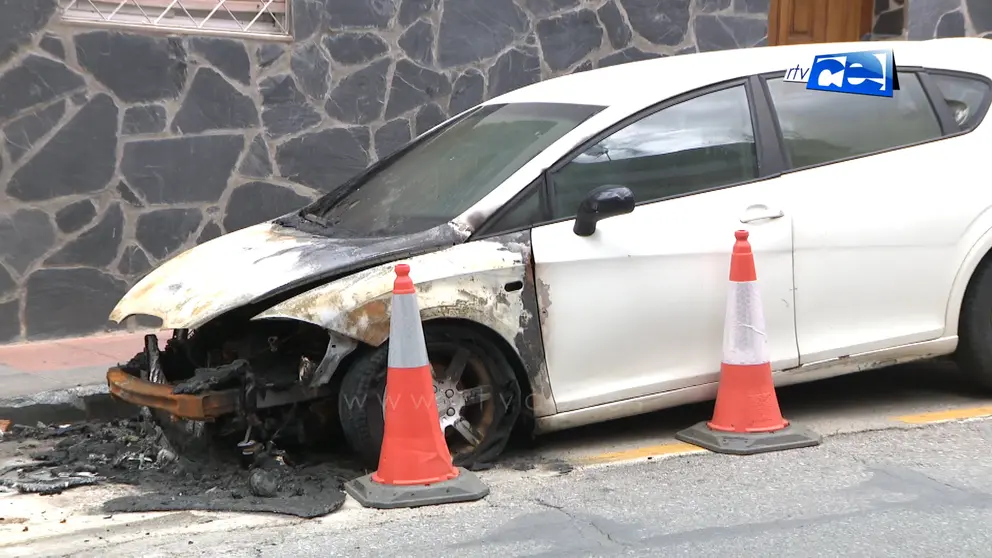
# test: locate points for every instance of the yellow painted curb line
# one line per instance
(676, 448)
(944, 416)
(641, 453)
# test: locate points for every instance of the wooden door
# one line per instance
(792, 22)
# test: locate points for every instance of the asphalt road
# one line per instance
(881, 484)
(922, 492)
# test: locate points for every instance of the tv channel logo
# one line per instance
(860, 73)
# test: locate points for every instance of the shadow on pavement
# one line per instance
(896, 388)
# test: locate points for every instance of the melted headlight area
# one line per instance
(258, 382)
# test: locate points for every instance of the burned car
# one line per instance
(570, 243)
(290, 317)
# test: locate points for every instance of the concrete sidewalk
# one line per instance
(63, 380)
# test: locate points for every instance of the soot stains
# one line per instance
(135, 452)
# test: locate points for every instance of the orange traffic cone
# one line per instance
(747, 418)
(415, 466)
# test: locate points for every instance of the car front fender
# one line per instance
(488, 282)
(473, 281)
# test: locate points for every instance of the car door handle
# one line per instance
(761, 213)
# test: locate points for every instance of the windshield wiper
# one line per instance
(331, 226)
(314, 218)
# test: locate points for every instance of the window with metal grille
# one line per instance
(260, 18)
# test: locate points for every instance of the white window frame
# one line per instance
(261, 19)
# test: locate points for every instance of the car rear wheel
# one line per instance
(477, 394)
(974, 354)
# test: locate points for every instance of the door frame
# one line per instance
(770, 150)
(775, 10)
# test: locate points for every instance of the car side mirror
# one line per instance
(602, 203)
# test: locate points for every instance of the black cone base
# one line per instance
(466, 487)
(790, 437)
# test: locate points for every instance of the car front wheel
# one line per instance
(477, 395)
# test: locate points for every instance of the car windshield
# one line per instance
(443, 174)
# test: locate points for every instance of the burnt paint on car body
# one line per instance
(529, 341)
(277, 261)
(357, 254)
(487, 282)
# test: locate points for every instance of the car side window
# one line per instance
(701, 143)
(820, 127)
(524, 213)
(964, 96)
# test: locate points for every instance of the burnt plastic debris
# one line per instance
(135, 452)
(208, 379)
(49, 486)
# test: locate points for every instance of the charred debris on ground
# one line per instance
(136, 452)
(51, 459)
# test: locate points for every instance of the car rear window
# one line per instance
(967, 97)
(820, 127)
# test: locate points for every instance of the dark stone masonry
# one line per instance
(120, 149)
(932, 19)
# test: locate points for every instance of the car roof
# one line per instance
(636, 84)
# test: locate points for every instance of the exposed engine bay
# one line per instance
(261, 381)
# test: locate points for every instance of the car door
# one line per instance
(638, 307)
(878, 209)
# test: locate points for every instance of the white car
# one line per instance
(570, 244)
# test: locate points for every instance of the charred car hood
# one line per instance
(257, 263)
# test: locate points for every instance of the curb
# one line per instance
(64, 354)
(89, 402)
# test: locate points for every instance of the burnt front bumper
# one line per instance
(204, 406)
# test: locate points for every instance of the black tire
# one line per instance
(363, 386)
(974, 353)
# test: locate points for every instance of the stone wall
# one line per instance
(890, 18)
(932, 19)
(929, 19)
(119, 150)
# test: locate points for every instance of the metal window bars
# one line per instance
(259, 18)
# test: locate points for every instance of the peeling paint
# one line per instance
(543, 300)
(455, 279)
(529, 341)
(190, 285)
(256, 263)
(871, 365)
(466, 281)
